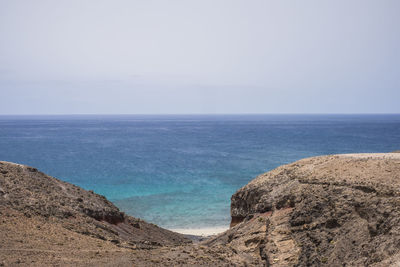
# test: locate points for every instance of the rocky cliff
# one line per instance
(341, 210)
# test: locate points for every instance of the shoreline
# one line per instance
(203, 232)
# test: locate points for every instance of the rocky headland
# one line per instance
(340, 210)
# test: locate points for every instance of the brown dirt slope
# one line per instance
(35, 194)
(341, 210)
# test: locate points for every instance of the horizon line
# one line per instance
(198, 114)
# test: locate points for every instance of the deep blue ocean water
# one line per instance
(180, 171)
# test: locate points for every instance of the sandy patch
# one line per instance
(201, 231)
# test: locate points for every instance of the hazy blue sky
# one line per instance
(218, 56)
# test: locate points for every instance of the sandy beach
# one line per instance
(201, 231)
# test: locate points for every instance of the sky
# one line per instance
(199, 57)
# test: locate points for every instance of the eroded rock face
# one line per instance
(339, 210)
(334, 210)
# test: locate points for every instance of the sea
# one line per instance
(179, 171)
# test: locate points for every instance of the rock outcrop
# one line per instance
(341, 210)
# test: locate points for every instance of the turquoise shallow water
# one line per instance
(180, 171)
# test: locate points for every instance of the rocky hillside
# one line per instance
(32, 193)
(341, 210)
(40, 214)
